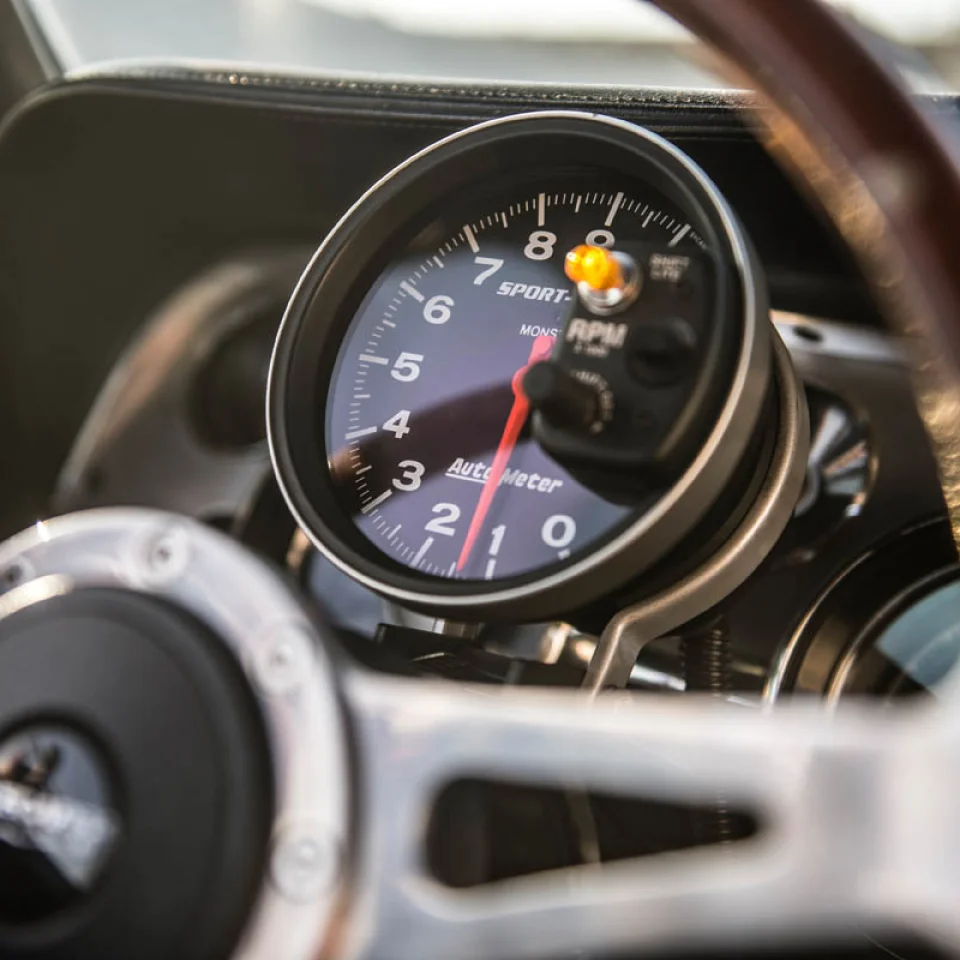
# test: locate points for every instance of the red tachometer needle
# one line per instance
(541, 349)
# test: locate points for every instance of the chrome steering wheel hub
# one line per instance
(820, 866)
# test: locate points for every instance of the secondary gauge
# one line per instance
(885, 627)
(405, 438)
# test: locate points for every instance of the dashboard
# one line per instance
(531, 357)
(183, 207)
(157, 176)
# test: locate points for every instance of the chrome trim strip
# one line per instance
(633, 628)
(843, 341)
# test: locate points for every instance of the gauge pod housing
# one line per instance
(399, 430)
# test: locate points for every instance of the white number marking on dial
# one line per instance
(496, 539)
(600, 238)
(446, 514)
(406, 368)
(412, 475)
(493, 264)
(558, 531)
(437, 309)
(397, 424)
(540, 245)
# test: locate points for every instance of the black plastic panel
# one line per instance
(116, 190)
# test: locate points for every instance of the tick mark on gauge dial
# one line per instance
(373, 504)
(679, 235)
(422, 552)
(614, 207)
(412, 291)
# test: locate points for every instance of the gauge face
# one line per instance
(427, 431)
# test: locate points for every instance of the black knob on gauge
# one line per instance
(662, 352)
(562, 399)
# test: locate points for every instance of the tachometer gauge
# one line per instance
(422, 373)
(405, 438)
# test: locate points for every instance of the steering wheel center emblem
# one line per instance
(58, 827)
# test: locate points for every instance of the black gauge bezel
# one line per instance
(848, 679)
(858, 605)
(349, 262)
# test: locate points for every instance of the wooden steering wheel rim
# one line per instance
(842, 120)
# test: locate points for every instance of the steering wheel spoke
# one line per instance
(831, 857)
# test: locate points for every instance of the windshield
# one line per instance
(619, 42)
